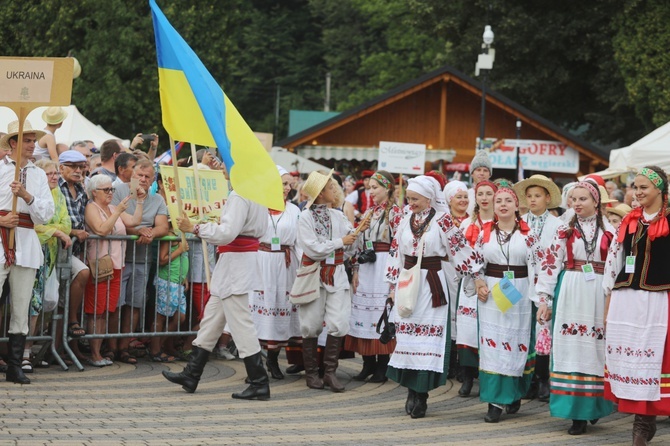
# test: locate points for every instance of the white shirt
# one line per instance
(235, 272)
(28, 249)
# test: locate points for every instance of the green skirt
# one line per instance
(423, 381)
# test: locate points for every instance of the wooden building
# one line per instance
(440, 109)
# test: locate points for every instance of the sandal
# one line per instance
(162, 357)
(110, 355)
(126, 357)
(74, 330)
(27, 366)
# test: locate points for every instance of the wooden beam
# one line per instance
(443, 115)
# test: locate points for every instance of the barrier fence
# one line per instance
(108, 318)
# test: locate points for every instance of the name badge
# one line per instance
(509, 275)
(276, 244)
(369, 245)
(330, 260)
(589, 274)
(630, 264)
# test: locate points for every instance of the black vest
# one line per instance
(652, 263)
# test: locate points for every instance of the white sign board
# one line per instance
(537, 155)
(401, 157)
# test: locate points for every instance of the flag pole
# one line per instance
(176, 182)
(198, 194)
(17, 170)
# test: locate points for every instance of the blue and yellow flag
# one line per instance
(505, 294)
(196, 110)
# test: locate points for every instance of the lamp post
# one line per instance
(484, 65)
(518, 150)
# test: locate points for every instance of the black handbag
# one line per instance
(386, 334)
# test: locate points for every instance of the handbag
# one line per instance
(305, 289)
(387, 334)
(407, 290)
(51, 287)
(101, 269)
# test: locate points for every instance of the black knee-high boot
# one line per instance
(380, 370)
(17, 343)
(369, 365)
(190, 376)
(542, 373)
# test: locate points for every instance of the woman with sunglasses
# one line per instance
(103, 219)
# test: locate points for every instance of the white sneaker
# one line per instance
(223, 353)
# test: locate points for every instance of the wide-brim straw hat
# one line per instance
(621, 210)
(54, 115)
(13, 130)
(314, 184)
(605, 197)
(541, 181)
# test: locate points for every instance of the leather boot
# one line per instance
(259, 383)
(644, 429)
(380, 371)
(310, 362)
(17, 343)
(542, 375)
(331, 358)
(578, 427)
(190, 376)
(273, 364)
(294, 369)
(468, 379)
(411, 400)
(369, 365)
(420, 406)
(493, 415)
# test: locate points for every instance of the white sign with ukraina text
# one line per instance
(26, 80)
(402, 157)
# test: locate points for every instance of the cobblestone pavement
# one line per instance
(134, 405)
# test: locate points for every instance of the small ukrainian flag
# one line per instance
(505, 295)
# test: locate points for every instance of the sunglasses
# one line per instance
(107, 190)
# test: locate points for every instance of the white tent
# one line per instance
(653, 149)
(75, 127)
(292, 162)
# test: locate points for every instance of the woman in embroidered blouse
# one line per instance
(637, 285)
(467, 340)
(506, 338)
(274, 316)
(370, 291)
(102, 219)
(421, 358)
(570, 270)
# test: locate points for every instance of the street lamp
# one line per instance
(484, 65)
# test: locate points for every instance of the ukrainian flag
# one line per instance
(505, 295)
(196, 110)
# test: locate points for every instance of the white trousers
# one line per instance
(233, 309)
(21, 281)
(333, 308)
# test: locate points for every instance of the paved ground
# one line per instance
(134, 405)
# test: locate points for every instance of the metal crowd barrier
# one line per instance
(48, 332)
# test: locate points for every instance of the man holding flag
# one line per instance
(196, 110)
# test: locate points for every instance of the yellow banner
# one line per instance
(213, 189)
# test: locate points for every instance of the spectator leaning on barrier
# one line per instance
(71, 185)
(34, 206)
(138, 260)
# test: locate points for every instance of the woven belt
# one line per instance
(327, 270)
(286, 249)
(242, 243)
(381, 246)
(598, 267)
(494, 270)
(24, 222)
(432, 265)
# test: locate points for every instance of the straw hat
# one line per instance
(314, 184)
(541, 181)
(54, 115)
(604, 196)
(621, 210)
(13, 130)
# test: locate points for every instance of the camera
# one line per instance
(147, 137)
(388, 333)
(367, 256)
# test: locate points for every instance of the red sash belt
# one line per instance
(24, 222)
(243, 243)
(432, 265)
(381, 246)
(327, 271)
(598, 267)
(494, 270)
(286, 249)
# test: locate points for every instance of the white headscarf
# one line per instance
(565, 193)
(452, 188)
(281, 170)
(429, 188)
